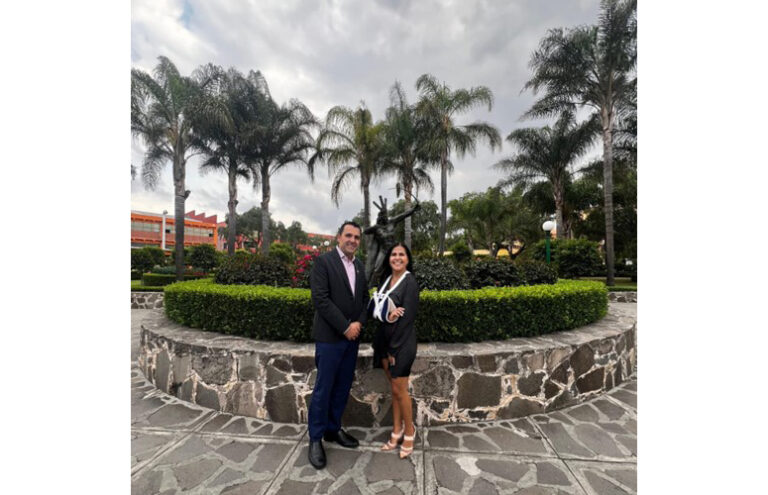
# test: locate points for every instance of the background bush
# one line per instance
(252, 269)
(203, 256)
(493, 273)
(572, 258)
(461, 252)
(536, 272)
(273, 313)
(301, 270)
(157, 254)
(141, 260)
(438, 274)
(282, 252)
(135, 275)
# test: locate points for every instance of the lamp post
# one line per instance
(326, 244)
(548, 226)
(165, 212)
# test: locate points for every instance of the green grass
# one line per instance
(622, 284)
(137, 286)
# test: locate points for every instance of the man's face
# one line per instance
(349, 240)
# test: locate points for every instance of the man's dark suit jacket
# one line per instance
(335, 306)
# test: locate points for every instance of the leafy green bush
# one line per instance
(204, 257)
(141, 260)
(167, 270)
(624, 270)
(461, 252)
(135, 275)
(252, 269)
(157, 255)
(163, 279)
(275, 313)
(302, 269)
(438, 274)
(571, 257)
(536, 272)
(282, 252)
(493, 273)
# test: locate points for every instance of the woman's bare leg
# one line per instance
(406, 410)
(397, 419)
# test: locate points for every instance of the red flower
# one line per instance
(300, 270)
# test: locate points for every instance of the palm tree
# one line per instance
(350, 144)
(226, 140)
(402, 147)
(282, 137)
(438, 105)
(548, 153)
(591, 66)
(162, 106)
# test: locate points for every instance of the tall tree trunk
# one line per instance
(407, 187)
(180, 197)
(607, 120)
(443, 200)
(561, 230)
(365, 185)
(265, 196)
(232, 227)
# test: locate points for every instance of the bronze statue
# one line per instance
(382, 237)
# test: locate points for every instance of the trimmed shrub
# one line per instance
(135, 275)
(157, 255)
(282, 252)
(252, 269)
(141, 260)
(274, 313)
(624, 270)
(163, 279)
(204, 257)
(438, 274)
(461, 252)
(572, 257)
(493, 273)
(536, 272)
(167, 270)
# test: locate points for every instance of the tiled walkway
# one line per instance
(177, 447)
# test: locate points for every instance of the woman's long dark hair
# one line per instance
(387, 271)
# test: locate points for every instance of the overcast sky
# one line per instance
(328, 53)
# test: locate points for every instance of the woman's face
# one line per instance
(398, 259)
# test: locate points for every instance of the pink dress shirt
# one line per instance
(349, 266)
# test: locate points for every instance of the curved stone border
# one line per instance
(621, 296)
(449, 382)
(146, 300)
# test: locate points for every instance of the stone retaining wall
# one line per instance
(621, 296)
(449, 382)
(146, 300)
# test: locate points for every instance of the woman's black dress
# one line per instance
(398, 339)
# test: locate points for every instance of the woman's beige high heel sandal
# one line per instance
(406, 451)
(397, 438)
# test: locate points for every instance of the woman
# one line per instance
(394, 346)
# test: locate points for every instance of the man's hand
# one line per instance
(353, 330)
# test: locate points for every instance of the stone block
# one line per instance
(181, 368)
(163, 370)
(591, 381)
(243, 399)
(248, 367)
(511, 366)
(562, 400)
(437, 382)
(303, 364)
(534, 361)
(531, 385)
(281, 404)
(561, 373)
(461, 362)
(357, 413)
(213, 368)
(556, 356)
(186, 391)
(275, 377)
(420, 365)
(551, 389)
(477, 390)
(486, 363)
(208, 397)
(582, 360)
(372, 381)
(282, 364)
(519, 407)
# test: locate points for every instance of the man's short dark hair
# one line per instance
(349, 222)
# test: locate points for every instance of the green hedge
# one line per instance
(162, 279)
(276, 313)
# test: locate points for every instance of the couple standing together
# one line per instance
(341, 301)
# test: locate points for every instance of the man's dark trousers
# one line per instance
(335, 370)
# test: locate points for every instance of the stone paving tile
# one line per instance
(209, 464)
(229, 424)
(364, 470)
(145, 445)
(518, 436)
(161, 411)
(489, 474)
(625, 395)
(600, 478)
(595, 430)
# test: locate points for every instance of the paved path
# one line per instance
(178, 447)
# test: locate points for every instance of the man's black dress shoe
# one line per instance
(317, 454)
(342, 438)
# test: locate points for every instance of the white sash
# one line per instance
(381, 300)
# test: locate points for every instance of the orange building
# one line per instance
(146, 229)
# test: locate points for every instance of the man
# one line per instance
(340, 297)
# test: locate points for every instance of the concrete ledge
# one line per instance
(449, 382)
(146, 300)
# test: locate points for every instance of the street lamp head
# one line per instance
(326, 243)
(548, 225)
